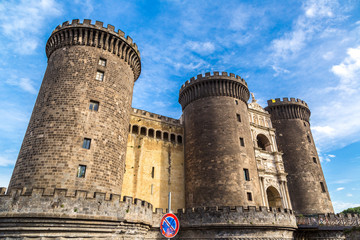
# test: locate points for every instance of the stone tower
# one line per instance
(306, 182)
(77, 135)
(218, 144)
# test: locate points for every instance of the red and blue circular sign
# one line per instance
(169, 225)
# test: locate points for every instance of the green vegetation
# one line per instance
(352, 210)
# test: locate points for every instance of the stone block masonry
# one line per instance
(86, 63)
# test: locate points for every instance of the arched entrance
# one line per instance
(274, 198)
(263, 142)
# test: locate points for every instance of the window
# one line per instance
(102, 62)
(304, 124)
(246, 174)
(152, 172)
(249, 196)
(238, 117)
(94, 105)
(236, 102)
(242, 142)
(135, 129)
(322, 187)
(158, 134)
(81, 171)
(308, 138)
(179, 139)
(143, 131)
(166, 136)
(152, 189)
(86, 143)
(151, 133)
(99, 76)
(314, 159)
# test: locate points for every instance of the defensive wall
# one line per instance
(60, 215)
(155, 159)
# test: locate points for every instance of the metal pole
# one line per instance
(169, 203)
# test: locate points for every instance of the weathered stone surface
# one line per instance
(52, 148)
(291, 121)
(214, 157)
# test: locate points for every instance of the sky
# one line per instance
(303, 49)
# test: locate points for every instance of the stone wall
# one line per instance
(52, 149)
(306, 181)
(218, 144)
(155, 160)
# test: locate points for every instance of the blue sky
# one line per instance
(303, 49)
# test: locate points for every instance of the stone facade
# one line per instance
(155, 160)
(52, 150)
(307, 186)
(230, 177)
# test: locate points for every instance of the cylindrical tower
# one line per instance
(220, 166)
(306, 182)
(77, 135)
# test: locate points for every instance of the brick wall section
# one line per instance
(52, 148)
(291, 121)
(214, 159)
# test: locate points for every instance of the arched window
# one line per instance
(143, 131)
(179, 139)
(166, 136)
(263, 142)
(135, 129)
(151, 133)
(273, 197)
(172, 137)
(158, 134)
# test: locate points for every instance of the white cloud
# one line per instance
(340, 189)
(340, 206)
(349, 195)
(4, 161)
(349, 70)
(279, 70)
(203, 48)
(306, 25)
(316, 8)
(22, 22)
(338, 122)
(331, 155)
(24, 83)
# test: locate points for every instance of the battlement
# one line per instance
(235, 216)
(17, 203)
(158, 117)
(95, 35)
(215, 75)
(288, 109)
(329, 221)
(278, 101)
(217, 84)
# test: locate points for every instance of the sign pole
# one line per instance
(169, 203)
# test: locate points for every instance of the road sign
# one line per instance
(169, 225)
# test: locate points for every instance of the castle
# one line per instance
(235, 169)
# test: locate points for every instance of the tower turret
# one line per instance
(220, 166)
(77, 135)
(306, 182)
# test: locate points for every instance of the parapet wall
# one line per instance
(234, 216)
(97, 206)
(213, 85)
(332, 221)
(278, 101)
(154, 116)
(288, 109)
(95, 35)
